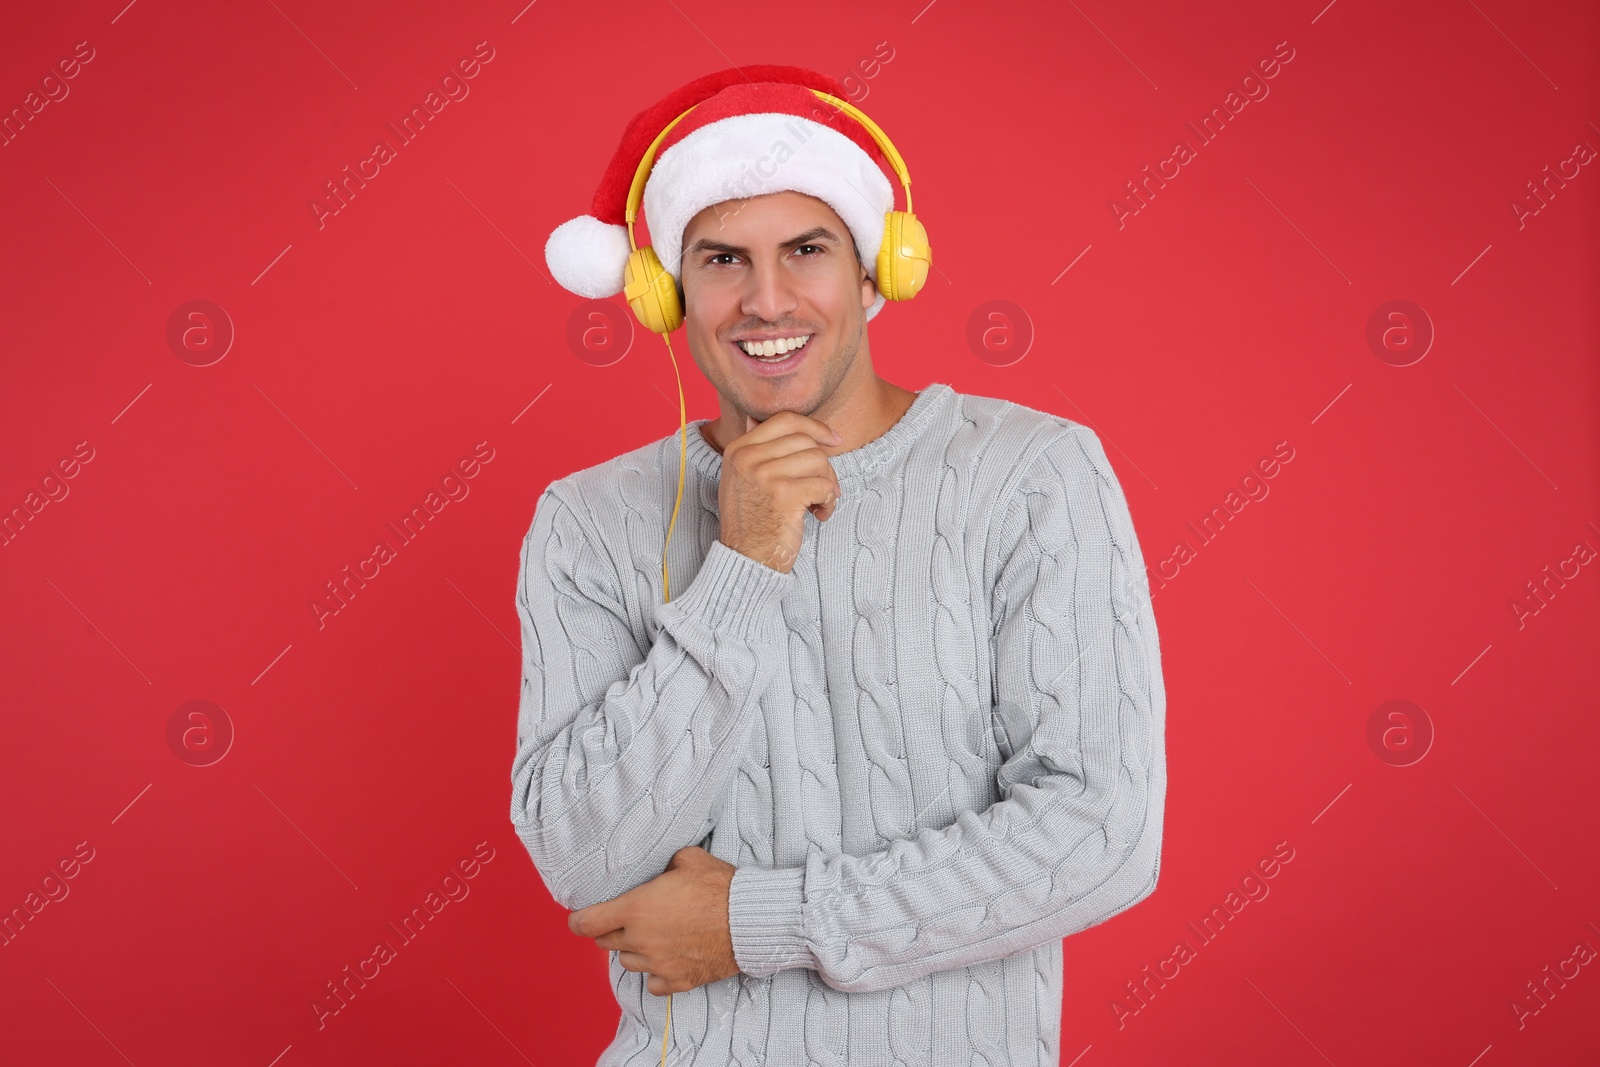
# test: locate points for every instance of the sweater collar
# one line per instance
(855, 466)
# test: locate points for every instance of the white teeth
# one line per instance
(771, 349)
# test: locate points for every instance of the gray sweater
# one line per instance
(932, 750)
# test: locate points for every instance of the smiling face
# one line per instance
(776, 266)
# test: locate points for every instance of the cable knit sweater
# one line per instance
(932, 750)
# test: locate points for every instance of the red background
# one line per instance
(371, 754)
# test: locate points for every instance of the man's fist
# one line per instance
(771, 476)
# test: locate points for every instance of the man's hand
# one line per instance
(771, 476)
(673, 927)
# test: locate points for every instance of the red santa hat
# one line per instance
(754, 130)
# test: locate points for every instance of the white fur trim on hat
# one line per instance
(752, 155)
(588, 257)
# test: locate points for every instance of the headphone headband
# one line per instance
(636, 190)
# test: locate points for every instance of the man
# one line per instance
(907, 687)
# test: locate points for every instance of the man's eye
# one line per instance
(710, 260)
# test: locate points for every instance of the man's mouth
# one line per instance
(775, 351)
(776, 356)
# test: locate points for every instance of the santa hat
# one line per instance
(754, 130)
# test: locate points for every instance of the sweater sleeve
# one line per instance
(625, 747)
(1077, 836)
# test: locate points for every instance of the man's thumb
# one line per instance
(750, 424)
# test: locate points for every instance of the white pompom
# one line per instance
(588, 257)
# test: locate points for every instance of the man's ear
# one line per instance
(869, 289)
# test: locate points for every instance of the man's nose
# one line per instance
(768, 293)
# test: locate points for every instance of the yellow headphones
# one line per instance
(903, 257)
(903, 261)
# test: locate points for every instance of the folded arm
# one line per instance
(624, 751)
(1077, 837)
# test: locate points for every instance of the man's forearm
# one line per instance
(622, 759)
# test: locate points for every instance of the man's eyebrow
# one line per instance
(816, 233)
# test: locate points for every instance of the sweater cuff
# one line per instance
(734, 592)
(766, 918)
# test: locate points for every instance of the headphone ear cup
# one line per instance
(652, 292)
(904, 257)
